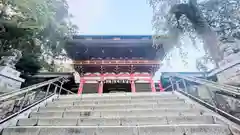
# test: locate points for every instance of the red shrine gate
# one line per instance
(132, 79)
(118, 78)
(128, 61)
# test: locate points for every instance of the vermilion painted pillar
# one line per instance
(152, 86)
(80, 88)
(133, 88)
(160, 86)
(100, 87)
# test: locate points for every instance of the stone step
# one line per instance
(130, 121)
(62, 104)
(115, 107)
(59, 103)
(119, 113)
(118, 98)
(186, 129)
(119, 95)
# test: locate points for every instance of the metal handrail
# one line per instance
(34, 85)
(217, 110)
(30, 96)
(63, 89)
(210, 84)
(234, 88)
(171, 85)
(29, 88)
(199, 100)
(24, 109)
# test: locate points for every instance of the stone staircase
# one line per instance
(164, 113)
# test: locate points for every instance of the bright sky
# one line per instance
(124, 17)
(109, 17)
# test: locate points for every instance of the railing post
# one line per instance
(185, 85)
(55, 89)
(170, 79)
(213, 100)
(23, 102)
(177, 85)
(60, 90)
(47, 89)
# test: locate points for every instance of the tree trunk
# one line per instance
(209, 37)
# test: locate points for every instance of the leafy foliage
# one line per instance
(29, 64)
(39, 28)
(214, 21)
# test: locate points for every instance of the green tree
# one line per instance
(39, 28)
(29, 64)
(214, 21)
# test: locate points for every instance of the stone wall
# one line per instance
(230, 65)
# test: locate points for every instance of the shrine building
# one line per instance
(115, 63)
